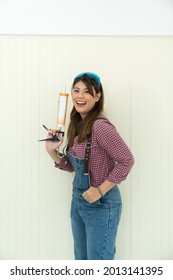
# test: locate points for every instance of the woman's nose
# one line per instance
(80, 94)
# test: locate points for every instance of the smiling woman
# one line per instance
(101, 160)
(81, 123)
(83, 100)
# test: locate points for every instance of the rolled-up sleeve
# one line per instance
(109, 139)
(65, 165)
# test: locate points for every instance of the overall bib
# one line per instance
(94, 225)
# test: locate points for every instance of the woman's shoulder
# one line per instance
(102, 123)
(102, 119)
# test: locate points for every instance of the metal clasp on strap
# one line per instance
(87, 155)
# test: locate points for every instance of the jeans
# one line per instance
(94, 225)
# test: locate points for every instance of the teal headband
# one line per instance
(91, 75)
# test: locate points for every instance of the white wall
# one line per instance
(94, 17)
(35, 197)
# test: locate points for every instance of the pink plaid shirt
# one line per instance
(110, 157)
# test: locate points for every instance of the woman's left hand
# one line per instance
(91, 195)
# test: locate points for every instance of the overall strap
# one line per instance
(87, 155)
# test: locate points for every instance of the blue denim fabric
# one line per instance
(94, 225)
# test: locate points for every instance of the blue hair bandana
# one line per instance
(91, 75)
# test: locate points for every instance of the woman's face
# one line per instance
(83, 101)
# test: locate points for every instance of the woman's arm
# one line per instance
(61, 161)
(95, 193)
(110, 140)
(52, 147)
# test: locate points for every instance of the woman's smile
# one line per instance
(81, 103)
(83, 100)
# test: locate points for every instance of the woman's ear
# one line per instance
(98, 96)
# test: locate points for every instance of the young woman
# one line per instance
(101, 160)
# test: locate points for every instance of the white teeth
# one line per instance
(79, 102)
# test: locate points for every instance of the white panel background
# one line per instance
(35, 197)
(91, 17)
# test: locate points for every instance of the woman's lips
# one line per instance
(80, 103)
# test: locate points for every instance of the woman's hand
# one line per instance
(50, 145)
(91, 195)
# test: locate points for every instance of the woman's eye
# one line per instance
(86, 91)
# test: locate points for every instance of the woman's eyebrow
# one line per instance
(79, 88)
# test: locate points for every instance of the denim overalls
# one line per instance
(94, 225)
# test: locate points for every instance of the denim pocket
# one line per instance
(115, 196)
(97, 216)
(105, 201)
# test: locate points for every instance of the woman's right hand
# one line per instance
(50, 145)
